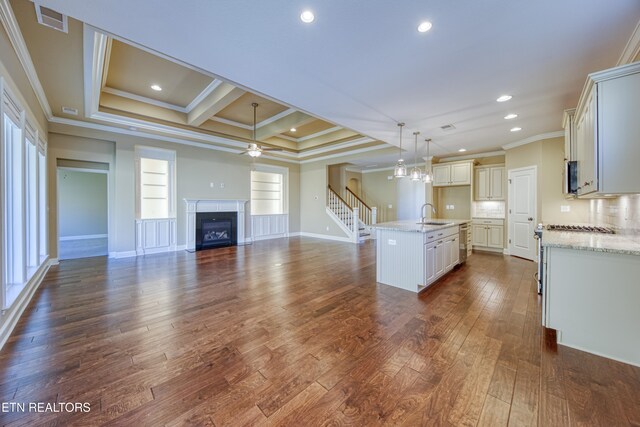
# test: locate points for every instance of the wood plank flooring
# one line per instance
(297, 332)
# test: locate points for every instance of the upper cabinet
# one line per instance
(455, 173)
(489, 182)
(607, 132)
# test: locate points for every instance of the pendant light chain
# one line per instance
(400, 171)
(416, 172)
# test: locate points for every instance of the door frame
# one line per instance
(510, 199)
(88, 170)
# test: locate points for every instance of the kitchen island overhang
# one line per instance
(412, 255)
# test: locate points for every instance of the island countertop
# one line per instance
(413, 226)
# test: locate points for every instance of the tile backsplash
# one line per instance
(622, 212)
(487, 209)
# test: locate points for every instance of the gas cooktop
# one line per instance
(581, 228)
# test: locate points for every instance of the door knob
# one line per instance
(530, 219)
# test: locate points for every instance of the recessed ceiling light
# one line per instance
(424, 26)
(307, 17)
(293, 130)
(516, 129)
(504, 98)
(462, 150)
(510, 116)
(157, 88)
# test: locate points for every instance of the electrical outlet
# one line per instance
(211, 184)
(392, 242)
(565, 208)
(390, 206)
(327, 228)
(222, 185)
(390, 177)
(453, 207)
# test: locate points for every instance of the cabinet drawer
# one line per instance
(440, 234)
(487, 221)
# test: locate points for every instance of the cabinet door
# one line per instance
(461, 174)
(439, 264)
(586, 147)
(430, 264)
(441, 175)
(482, 184)
(448, 261)
(495, 236)
(496, 187)
(479, 235)
(455, 251)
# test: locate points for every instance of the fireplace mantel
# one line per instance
(213, 205)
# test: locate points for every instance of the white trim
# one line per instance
(11, 315)
(124, 254)
(270, 237)
(231, 122)
(94, 48)
(347, 144)
(278, 116)
(349, 153)
(632, 48)
(535, 138)
(322, 236)
(390, 168)
(17, 41)
(473, 156)
(607, 356)
(139, 98)
(317, 134)
(83, 237)
(202, 95)
(141, 134)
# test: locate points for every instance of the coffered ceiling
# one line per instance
(356, 70)
(108, 79)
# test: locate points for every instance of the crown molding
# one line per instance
(534, 138)
(474, 156)
(17, 41)
(632, 48)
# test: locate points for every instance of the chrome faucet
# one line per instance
(422, 212)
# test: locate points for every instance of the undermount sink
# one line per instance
(435, 223)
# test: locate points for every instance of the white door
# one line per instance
(430, 264)
(522, 212)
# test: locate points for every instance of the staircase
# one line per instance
(352, 215)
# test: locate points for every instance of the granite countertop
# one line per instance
(413, 226)
(612, 243)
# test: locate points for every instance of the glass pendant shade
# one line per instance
(400, 171)
(416, 172)
(427, 177)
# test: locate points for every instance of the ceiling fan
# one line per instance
(255, 150)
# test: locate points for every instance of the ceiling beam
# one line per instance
(283, 124)
(219, 98)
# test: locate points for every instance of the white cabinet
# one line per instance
(430, 263)
(455, 252)
(442, 254)
(489, 183)
(607, 129)
(455, 173)
(488, 234)
(569, 126)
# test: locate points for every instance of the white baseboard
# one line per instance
(11, 315)
(506, 251)
(84, 237)
(54, 261)
(125, 254)
(487, 249)
(325, 237)
(270, 236)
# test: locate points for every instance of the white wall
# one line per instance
(410, 198)
(82, 203)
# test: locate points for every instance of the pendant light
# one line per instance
(400, 171)
(427, 177)
(416, 172)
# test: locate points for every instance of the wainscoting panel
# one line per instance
(269, 226)
(155, 235)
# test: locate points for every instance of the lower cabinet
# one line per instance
(441, 257)
(488, 234)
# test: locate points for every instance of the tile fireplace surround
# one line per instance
(210, 205)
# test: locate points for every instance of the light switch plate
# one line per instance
(565, 208)
(392, 242)
(390, 206)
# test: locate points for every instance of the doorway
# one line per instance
(83, 220)
(523, 208)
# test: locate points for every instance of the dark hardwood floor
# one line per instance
(297, 332)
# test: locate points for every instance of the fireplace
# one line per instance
(216, 229)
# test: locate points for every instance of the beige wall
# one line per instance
(548, 156)
(458, 196)
(12, 71)
(196, 168)
(379, 191)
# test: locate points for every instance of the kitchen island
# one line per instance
(412, 255)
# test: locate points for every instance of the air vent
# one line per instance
(69, 110)
(51, 18)
(447, 128)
